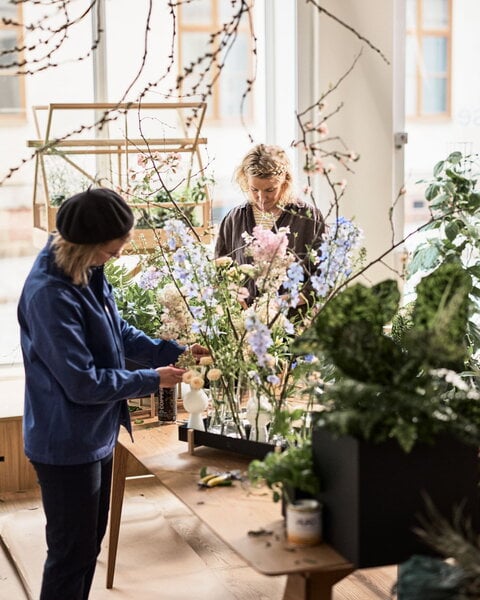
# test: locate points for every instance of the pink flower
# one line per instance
(322, 129)
(268, 245)
(142, 160)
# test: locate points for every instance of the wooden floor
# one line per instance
(188, 549)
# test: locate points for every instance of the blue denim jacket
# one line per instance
(74, 346)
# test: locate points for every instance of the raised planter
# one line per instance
(372, 494)
(223, 442)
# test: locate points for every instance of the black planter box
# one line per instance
(223, 442)
(372, 494)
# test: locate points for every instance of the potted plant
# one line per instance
(291, 476)
(399, 421)
(289, 473)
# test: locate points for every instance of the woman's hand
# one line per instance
(170, 376)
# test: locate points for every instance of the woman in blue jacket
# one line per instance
(74, 346)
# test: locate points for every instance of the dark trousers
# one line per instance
(76, 501)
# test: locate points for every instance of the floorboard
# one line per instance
(163, 548)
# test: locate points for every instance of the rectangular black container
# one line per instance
(223, 442)
(372, 493)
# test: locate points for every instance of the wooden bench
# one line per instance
(230, 512)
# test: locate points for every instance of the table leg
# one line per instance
(314, 586)
(118, 488)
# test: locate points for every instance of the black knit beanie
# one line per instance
(94, 216)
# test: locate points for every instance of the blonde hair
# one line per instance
(265, 162)
(75, 260)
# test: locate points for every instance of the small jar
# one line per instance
(304, 522)
(167, 405)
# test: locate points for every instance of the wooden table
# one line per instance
(230, 512)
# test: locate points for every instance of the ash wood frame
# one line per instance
(69, 147)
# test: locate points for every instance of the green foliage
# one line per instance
(454, 203)
(440, 315)
(157, 216)
(395, 386)
(135, 304)
(287, 470)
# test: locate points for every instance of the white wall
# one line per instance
(370, 116)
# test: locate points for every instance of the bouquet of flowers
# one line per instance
(200, 299)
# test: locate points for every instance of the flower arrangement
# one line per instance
(199, 299)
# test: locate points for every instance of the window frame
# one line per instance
(213, 116)
(418, 34)
(21, 113)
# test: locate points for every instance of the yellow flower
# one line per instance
(196, 382)
(188, 375)
(206, 360)
(247, 269)
(223, 261)
(214, 375)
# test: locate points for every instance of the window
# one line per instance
(428, 52)
(12, 94)
(197, 21)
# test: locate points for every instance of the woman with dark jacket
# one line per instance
(74, 346)
(265, 175)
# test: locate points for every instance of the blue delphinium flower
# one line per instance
(292, 285)
(149, 279)
(259, 338)
(334, 257)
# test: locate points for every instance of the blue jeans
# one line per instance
(76, 502)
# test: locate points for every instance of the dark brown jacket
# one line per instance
(306, 228)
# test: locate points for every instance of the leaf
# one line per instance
(432, 191)
(424, 259)
(474, 200)
(438, 168)
(452, 230)
(474, 270)
(454, 158)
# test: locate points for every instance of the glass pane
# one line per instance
(196, 12)
(8, 40)
(411, 96)
(434, 96)
(226, 10)
(234, 76)
(411, 55)
(435, 54)
(8, 10)
(411, 14)
(9, 94)
(435, 14)
(193, 46)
